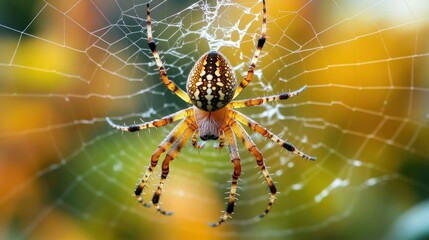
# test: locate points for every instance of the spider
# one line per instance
(211, 87)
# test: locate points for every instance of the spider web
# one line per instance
(66, 65)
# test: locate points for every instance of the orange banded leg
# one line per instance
(251, 147)
(172, 153)
(264, 132)
(167, 82)
(260, 100)
(255, 57)
(235, 160)
(155, 123)
(163, 146)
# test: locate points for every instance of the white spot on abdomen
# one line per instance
(221, 95)
(197, 94)
(209, 95)
(217, 72)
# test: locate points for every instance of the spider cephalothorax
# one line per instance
(211, 88)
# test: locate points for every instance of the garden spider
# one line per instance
(211, 87)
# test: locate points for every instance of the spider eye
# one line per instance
(211, 83)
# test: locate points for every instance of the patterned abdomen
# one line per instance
(211, 83)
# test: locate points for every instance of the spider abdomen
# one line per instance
(211, 83)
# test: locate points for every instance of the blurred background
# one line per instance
(66, 65)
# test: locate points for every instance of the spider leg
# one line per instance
(172, 153)
(162, 71)
(255, 57)
(163, 146)
(260, 100)
(195, 143)
(155, 123)
(264, 132)
(251, 147)
(235, 160)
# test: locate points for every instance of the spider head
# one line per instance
(211, 83)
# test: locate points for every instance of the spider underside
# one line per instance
(211, 88)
